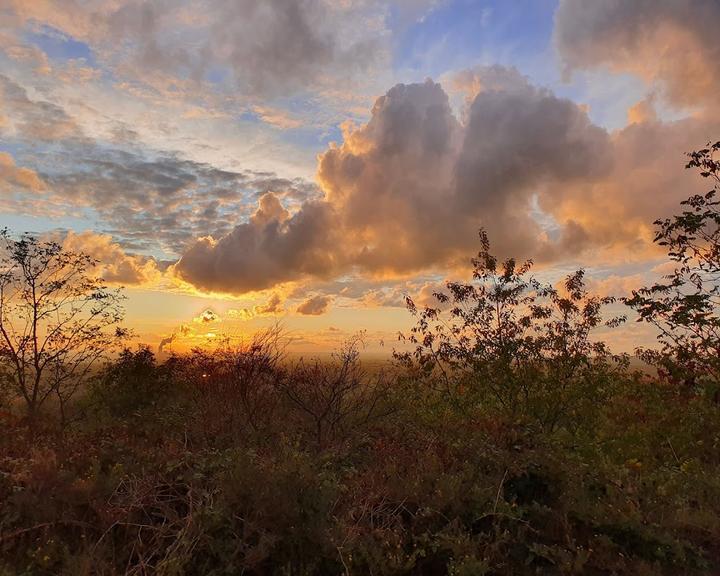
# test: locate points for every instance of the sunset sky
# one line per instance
(234, 163)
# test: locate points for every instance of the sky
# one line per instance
(234, 163)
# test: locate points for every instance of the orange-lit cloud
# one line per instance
(643, 111)
(12, 175)
(615, 285)
(315, 305)
(672, 44)
(272, 307)
(416, 179)
(114, 264)
(207, 316)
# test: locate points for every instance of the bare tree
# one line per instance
(233, 386)
(334, 398)
(57, 320)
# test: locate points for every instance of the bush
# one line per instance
(507, 441)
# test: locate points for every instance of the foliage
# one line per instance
(508, 441)
(230, 390)
(507, 339)
(129, 385)
(685, 305)
(333, 399)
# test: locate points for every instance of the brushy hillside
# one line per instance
(506, 441)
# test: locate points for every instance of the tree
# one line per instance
(514, 342)
(685, 305)
(57, 320)
(129, 384)
(337, 397)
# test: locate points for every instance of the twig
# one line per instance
(497, 496)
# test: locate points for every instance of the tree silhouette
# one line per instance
(684, 305)
(57, 320)
(514, 341)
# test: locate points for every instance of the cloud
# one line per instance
(671, 43)
(495, 78)
(615, 285)
(183, 331)
(647, 181)
(265, 48)
(12, 176)
(31, 55)
(165, 342)
(114, 264)
(207, 317)
(408, 190)
(33, 120)
(271, 248)
(146, 198)
(149, 198)
(315, 306)
(417, 180)
(643, 111)
(276, 117)
(271, 308)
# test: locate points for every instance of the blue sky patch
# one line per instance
(60, 46)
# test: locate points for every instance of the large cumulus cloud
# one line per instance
(410, 189)
(417, 184)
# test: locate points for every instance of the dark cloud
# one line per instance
(315, 306)
(33, 120)
(147, 199)
(272, 247)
